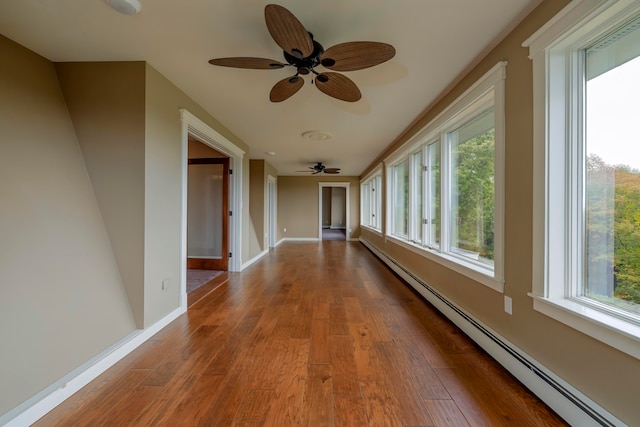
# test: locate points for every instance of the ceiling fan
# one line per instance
(305, 54)
(320, 168)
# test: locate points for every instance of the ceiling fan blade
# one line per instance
(254, 63)
(331, 170)
(338, 86)
(287, 31)
(353, 56)
(285, 88)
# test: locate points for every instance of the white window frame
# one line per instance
(391, 208)
(485, 93)
(478, 107)
(416, 216)
(427, 195)
(371, 215)
(555, 50)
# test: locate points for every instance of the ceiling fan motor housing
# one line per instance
(306, 65)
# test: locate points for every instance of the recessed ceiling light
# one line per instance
(270, 153)
(317, 135)
(127, 7)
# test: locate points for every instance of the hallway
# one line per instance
(316, 334)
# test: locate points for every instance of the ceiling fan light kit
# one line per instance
(303, 53)
(126, 7)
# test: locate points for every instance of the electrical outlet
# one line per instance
(284, 230)
(165, 284)
(508, 306)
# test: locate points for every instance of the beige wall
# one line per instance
(90, 220)
(62, 298)
(298, 208)
(257, 206)
(106, 104)
(604, 374)
(338, 207)
(326, 207)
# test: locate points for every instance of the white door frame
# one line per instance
(272, 191)
(191, 125)
(346, 186)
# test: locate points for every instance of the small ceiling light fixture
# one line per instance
(127, 7)
(317, 135)
(270, 153)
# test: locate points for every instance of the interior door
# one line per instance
(208, 214)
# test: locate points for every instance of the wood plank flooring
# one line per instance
(314, 334)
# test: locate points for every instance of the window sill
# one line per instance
(469, 270)
(611, 330)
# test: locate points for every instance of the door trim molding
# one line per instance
(272, 214)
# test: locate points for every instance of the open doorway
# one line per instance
(334, 208)
(195, 129)
(207, 215)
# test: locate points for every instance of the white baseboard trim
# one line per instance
(310, 239)
(568, 402)
(279, 242)
(39, 405)
(254, 259)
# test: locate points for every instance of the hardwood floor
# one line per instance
(203, 290)
(314, 334)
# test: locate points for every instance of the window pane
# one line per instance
(366, 204)
(472, 188)
(401, 198)
(612, 220)
(416, 196)
(433, 189)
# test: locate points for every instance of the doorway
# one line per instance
(195, 129)
(334, 208)
(207, 214)
(207, 218)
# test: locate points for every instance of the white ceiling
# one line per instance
(435, 41)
